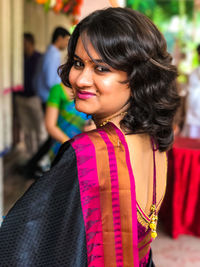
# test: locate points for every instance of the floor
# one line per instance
(183, 252)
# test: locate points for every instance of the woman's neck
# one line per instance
(114, 118)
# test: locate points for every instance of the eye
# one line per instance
(102, 69)
(78, 64)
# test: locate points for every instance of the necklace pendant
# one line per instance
(153, 222)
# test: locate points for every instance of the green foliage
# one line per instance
(166, 8)
(172, 7)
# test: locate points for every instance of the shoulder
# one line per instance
(56, 88)
(65, 155)
(37, 54)
(84, 137)
(54, 95)
(98, 139)
(51, 51)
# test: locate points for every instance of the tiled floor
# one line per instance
(183, 252)
(14, 183)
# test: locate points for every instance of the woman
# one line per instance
(98, 205)
(62, 119)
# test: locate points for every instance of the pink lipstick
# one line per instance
(84, 95)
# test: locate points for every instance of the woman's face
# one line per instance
(97, 87)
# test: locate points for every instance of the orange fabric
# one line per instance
(105, 199)
(125, 198)
(144, 245)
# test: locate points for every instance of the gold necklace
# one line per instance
(153, 222)
(114, 116)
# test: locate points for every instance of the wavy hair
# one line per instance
(127, 40)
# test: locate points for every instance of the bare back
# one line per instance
(141, 156)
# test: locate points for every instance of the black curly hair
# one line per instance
(127, 40)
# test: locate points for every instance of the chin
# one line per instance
(84, 107)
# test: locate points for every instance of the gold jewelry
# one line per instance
(153, 222)
(112, 117)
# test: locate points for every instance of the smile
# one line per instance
(84, 94)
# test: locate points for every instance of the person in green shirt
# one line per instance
(62, 119)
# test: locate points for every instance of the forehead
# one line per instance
(81, 51)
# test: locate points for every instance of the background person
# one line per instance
(47, 75)
(46, 78)
(62, 119)
(192, 121)
(28, 104)
(100, 201)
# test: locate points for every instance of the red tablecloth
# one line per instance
(180, 211)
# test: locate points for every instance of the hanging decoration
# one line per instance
(114, 3)
(68, 7)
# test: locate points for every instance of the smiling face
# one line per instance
(97, 87)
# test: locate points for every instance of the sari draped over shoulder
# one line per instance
(83, 212)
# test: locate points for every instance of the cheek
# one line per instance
(111, 87)
(107, 83)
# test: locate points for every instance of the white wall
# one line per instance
(42, 24)
(11, 71)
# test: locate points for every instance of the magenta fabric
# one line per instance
(90, 199)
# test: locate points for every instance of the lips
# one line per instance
(85, 94)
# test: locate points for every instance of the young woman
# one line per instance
(98, 205)
(62, 119)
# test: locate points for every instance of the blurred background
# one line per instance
(26, 30)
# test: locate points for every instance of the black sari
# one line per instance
(56, 222)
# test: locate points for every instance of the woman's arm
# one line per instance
(51, 117)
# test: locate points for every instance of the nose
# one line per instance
(84, 78)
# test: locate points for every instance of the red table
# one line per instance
(180, 212)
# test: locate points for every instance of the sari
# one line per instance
(83, 212)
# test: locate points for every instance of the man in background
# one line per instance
(45, 79)
(28, 104)
(47, 75)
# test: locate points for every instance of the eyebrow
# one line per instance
(91, 60)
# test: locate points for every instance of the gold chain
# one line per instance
(114, 116)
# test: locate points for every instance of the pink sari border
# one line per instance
(90, 198)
